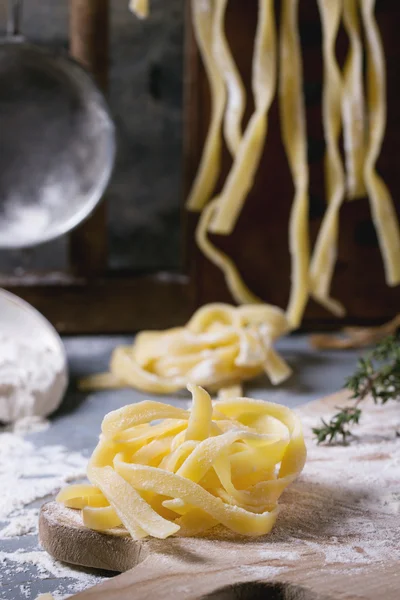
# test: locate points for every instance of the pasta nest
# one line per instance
(221, 345)
(159, 470)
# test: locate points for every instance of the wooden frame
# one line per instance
(89, 300)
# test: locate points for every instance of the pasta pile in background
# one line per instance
(221, 346)
(226, 464)
(344, 108)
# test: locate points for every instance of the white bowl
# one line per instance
(20, 320)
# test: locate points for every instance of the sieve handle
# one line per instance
(14, 18)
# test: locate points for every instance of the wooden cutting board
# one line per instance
(337, 536)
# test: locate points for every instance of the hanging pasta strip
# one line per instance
(239, 290)
(353, 105)
(210, 164)
(241, 176)
(325, 251)
(383, 211)
(140, 8)
(294, 136)
(233, 82)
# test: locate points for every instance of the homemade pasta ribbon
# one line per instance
(293, 125)
(353, 104)
(220, 346)
(225, 463)
(140, 8)
(325, 251)
(239, 290)
(204, 24)
(234, 86)
(241, 176)
(383, 212)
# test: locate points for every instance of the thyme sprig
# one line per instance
(377, 376)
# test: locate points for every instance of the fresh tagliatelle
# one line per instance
(160, 471)
(222, 213)
(140, 8)
(241, 177)
(236, 94)
(353, 103)
(220, 346)
(325, 251)
(383, 211)
(294, 135)
(344, 109)
(205, 26)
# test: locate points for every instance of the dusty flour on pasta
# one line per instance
(29, 475)
(31, 378)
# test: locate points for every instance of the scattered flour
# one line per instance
(27, 425)
(22, 522)
(46, 566)
(284, 555)
(261, 571)
(19, 562)
(32, 378)
(29, 475)
(345, 507)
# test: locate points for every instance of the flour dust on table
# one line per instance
(28, 475)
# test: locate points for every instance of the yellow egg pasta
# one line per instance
(236, 99)
(325, 251)
(383, 211)
(140, 8)
(241, 176)
(293, 124)
(239, 290)
(355, 337)
(353, 103)
(219, 347)
(204, 24)
(228, 465)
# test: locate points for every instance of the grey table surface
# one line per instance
(77, 424)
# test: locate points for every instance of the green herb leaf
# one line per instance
(377, 375)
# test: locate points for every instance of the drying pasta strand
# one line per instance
(140, 8)
(325, 251)
(353, 105)
(294, 136)
(356, 337)
(209, 169)
(232, 476)
(242, 174)
(236, 93)
(239, 290)
(383, 212)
